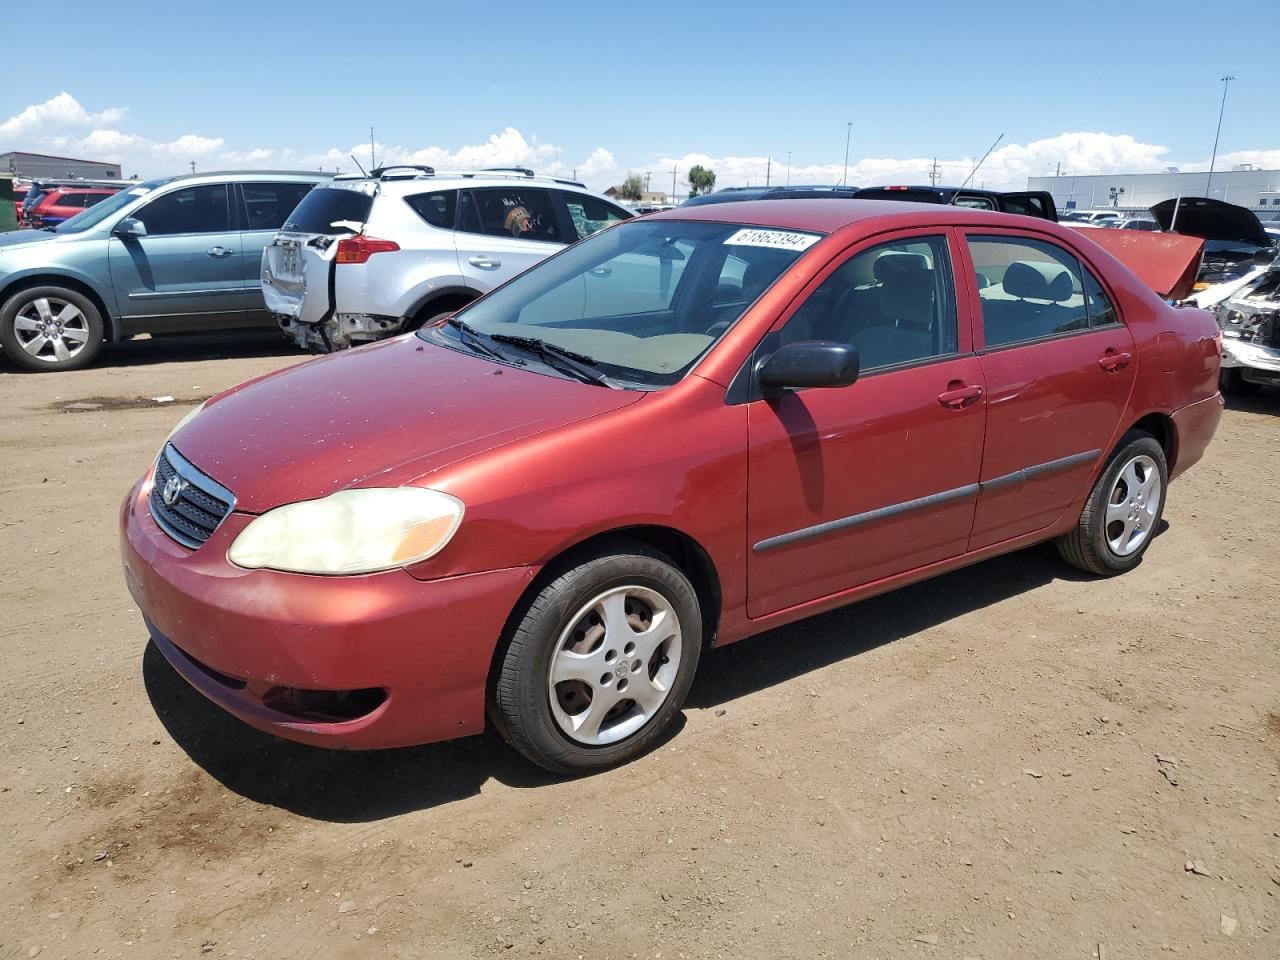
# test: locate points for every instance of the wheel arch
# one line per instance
(438, 300)
(1160, 425)
(689, 556)
(111, 330)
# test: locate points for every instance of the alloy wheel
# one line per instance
(1133, 505)
(613, 667)
(51, 330)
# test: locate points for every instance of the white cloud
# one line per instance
(61, 111)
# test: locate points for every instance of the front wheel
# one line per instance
(50, 328)
(600, 662)
(1123, 510)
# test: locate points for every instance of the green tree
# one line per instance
(701, 180)
(632, 188)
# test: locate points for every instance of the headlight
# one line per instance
(349, 532)
(191, 415)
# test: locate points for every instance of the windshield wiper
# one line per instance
(478, 341)
(569, 361)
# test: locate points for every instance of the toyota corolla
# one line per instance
(682, 431)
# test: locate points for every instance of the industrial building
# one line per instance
(34, 166)
(1244, 185)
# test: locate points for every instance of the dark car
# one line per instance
(798, 192)
(684, 430)
(1033, 203)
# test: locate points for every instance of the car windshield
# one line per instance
(639, 303)
(101, 211)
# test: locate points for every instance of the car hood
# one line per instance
(13, 238)
(1211, 220)
(381, 415)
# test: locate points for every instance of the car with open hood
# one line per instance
(695, 426)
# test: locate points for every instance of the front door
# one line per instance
(503, 231)
(1058, 365)
(849, 486)
(185, 273)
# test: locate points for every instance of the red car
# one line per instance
(682, 431)
(63, 203)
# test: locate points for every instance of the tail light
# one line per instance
(359, 249)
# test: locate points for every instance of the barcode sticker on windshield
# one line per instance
(777, 239)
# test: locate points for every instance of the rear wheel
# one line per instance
(50, 328)
(600, 663)
(1123, 510)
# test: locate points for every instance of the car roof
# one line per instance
(830, 215)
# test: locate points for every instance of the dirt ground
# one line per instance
(966, 768)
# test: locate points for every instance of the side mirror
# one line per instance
(128, 228)
(810, 363)
(1264, 255)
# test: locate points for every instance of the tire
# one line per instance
(50, 328)
(584, 721)
(1232, 382)
(1123, 510)
(428, 316)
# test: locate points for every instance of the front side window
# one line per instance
(1029, 289)
(590, 215)
(201, 209)
(643, 301)
(268, 205)
(894, 303)
(521, 213)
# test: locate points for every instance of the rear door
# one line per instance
(263, 208)
(503, 231)
(185, 273)
(849, 486)
(1059, 367)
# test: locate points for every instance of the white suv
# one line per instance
(362, 258)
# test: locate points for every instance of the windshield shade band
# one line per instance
(1017, 478)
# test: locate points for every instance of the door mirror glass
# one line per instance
(810, 363)
(129, 227)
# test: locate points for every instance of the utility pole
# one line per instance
(788, 168)
(1226, 82)
(647, 175)
(193, 166)
(673, 183)
(1058, 172)
(848, 132)
(768, 170)
(373, 159)
(934, 174)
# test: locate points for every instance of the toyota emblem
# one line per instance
(173, 490)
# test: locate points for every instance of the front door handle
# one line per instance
(957, 397)
(219, 251)
(1111, 361)
(484, 263)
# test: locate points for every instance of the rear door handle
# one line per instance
(220, 251)
(484, 263)
(958, 397)
(1111, 361)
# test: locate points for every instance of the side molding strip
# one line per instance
(1017, 478)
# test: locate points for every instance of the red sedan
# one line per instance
(682, 431)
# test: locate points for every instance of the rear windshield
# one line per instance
(330, 211)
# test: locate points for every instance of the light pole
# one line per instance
(1226, 82)
(788, 168)
(848, 132)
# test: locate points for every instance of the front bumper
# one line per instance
(1253, 356)
(241, 636)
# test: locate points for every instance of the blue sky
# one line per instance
(611, 88)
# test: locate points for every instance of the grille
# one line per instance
(199, 502)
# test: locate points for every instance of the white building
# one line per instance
(1245, 185)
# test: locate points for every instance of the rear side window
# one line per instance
(267, 205)
(522, 213)
(438, 209)
(202, 209)
(68, 200)
(1029, 289)
(589, 215)
(331, 211)
(1101, 310)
